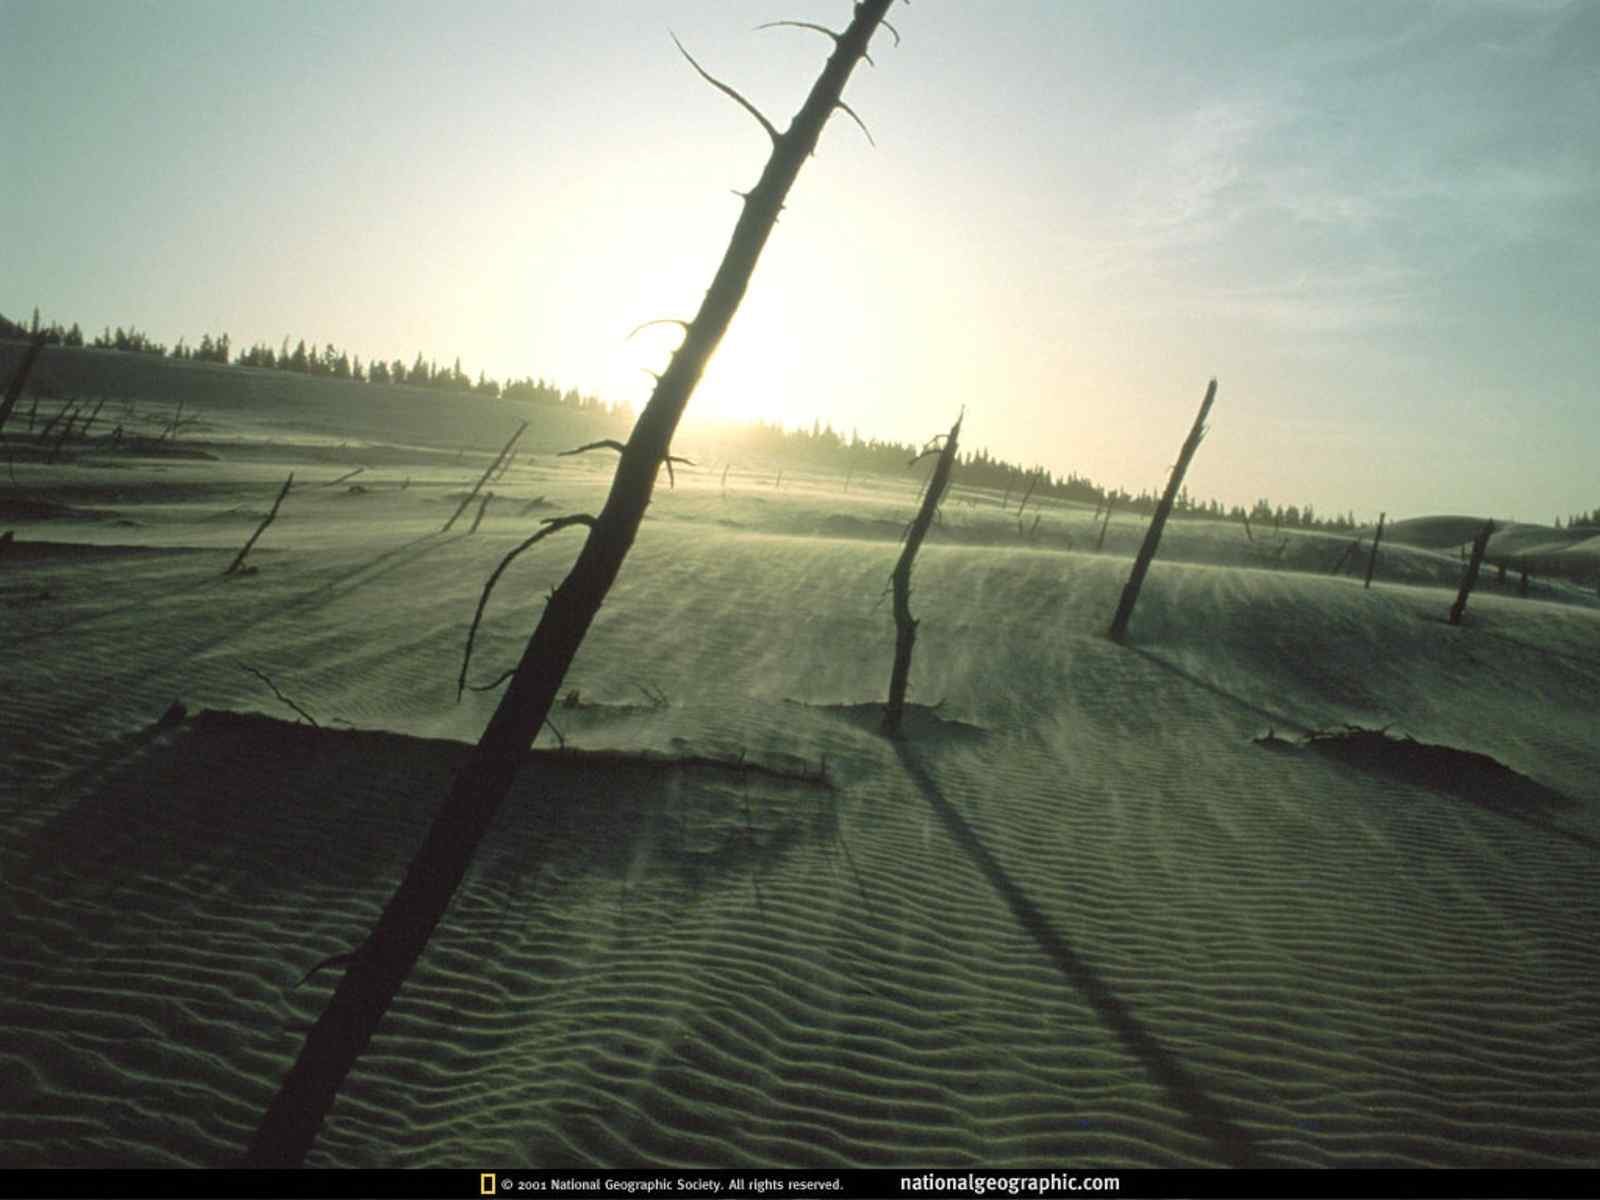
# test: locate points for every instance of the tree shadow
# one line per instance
(1274, 720)
(1205, 1115)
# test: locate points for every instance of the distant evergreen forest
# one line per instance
(820, 446)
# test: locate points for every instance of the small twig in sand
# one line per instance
(260, 529)
(267, 679)
(484, 478)
(657, 698)
(342, 478)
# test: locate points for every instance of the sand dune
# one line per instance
(1080, 914)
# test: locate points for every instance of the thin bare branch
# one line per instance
(892, 30)
(496, 682)
(822, 29)
(333, 960)
(683, 325)
(267, 679)
(672, 480)
(551, 525)
(602, 444)
(727, 91)
(851, 113)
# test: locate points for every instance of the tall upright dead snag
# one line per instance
(1479, 545)
(1152, 537)
(1372, 559)
(377, 970)
(905, 625)
(19, 380)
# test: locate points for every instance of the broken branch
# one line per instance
(551, 525)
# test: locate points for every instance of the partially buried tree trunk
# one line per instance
(905, 626)
(1470, 579)
(1152, 537)
(380, 966)
(1372, 559)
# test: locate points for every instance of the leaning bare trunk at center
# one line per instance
(376, 971)
(905, 625)
(1152, 537)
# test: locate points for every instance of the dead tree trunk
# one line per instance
(905, 625)
(1033, 481)
(1372, 559)
(377, 970)
(19, 381)
(1100, 543)
(484, 478)
(261, 528)
(1152, 537)
(1479, 545)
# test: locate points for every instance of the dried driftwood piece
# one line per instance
(905, 624)
(376, 971)
(1152, 537)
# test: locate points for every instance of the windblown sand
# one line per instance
(1078, 915)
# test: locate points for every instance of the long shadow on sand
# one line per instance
(1205, 1114)
(380, 565)
(1274, 720)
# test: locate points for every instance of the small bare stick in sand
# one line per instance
(1152, 537)
(725, 467)
(1372, 559)
(1100, 543)
(484, 478)
(1479, 545)
(238, 562)
(64, 411)
(482, 508)
(342, 478)
(1033, 481)
(905, 625)
(20, 381)
(267, 679)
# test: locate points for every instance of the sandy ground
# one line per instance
(1079, 914)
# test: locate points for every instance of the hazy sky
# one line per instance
(1377, 224)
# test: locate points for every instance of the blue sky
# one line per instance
(1377, 224)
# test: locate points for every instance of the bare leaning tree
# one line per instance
(1152, 537)
(906, 625)
(376, 970)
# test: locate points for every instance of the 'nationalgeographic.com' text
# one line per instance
(984, 1185)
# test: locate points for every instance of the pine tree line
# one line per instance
(820, 445)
